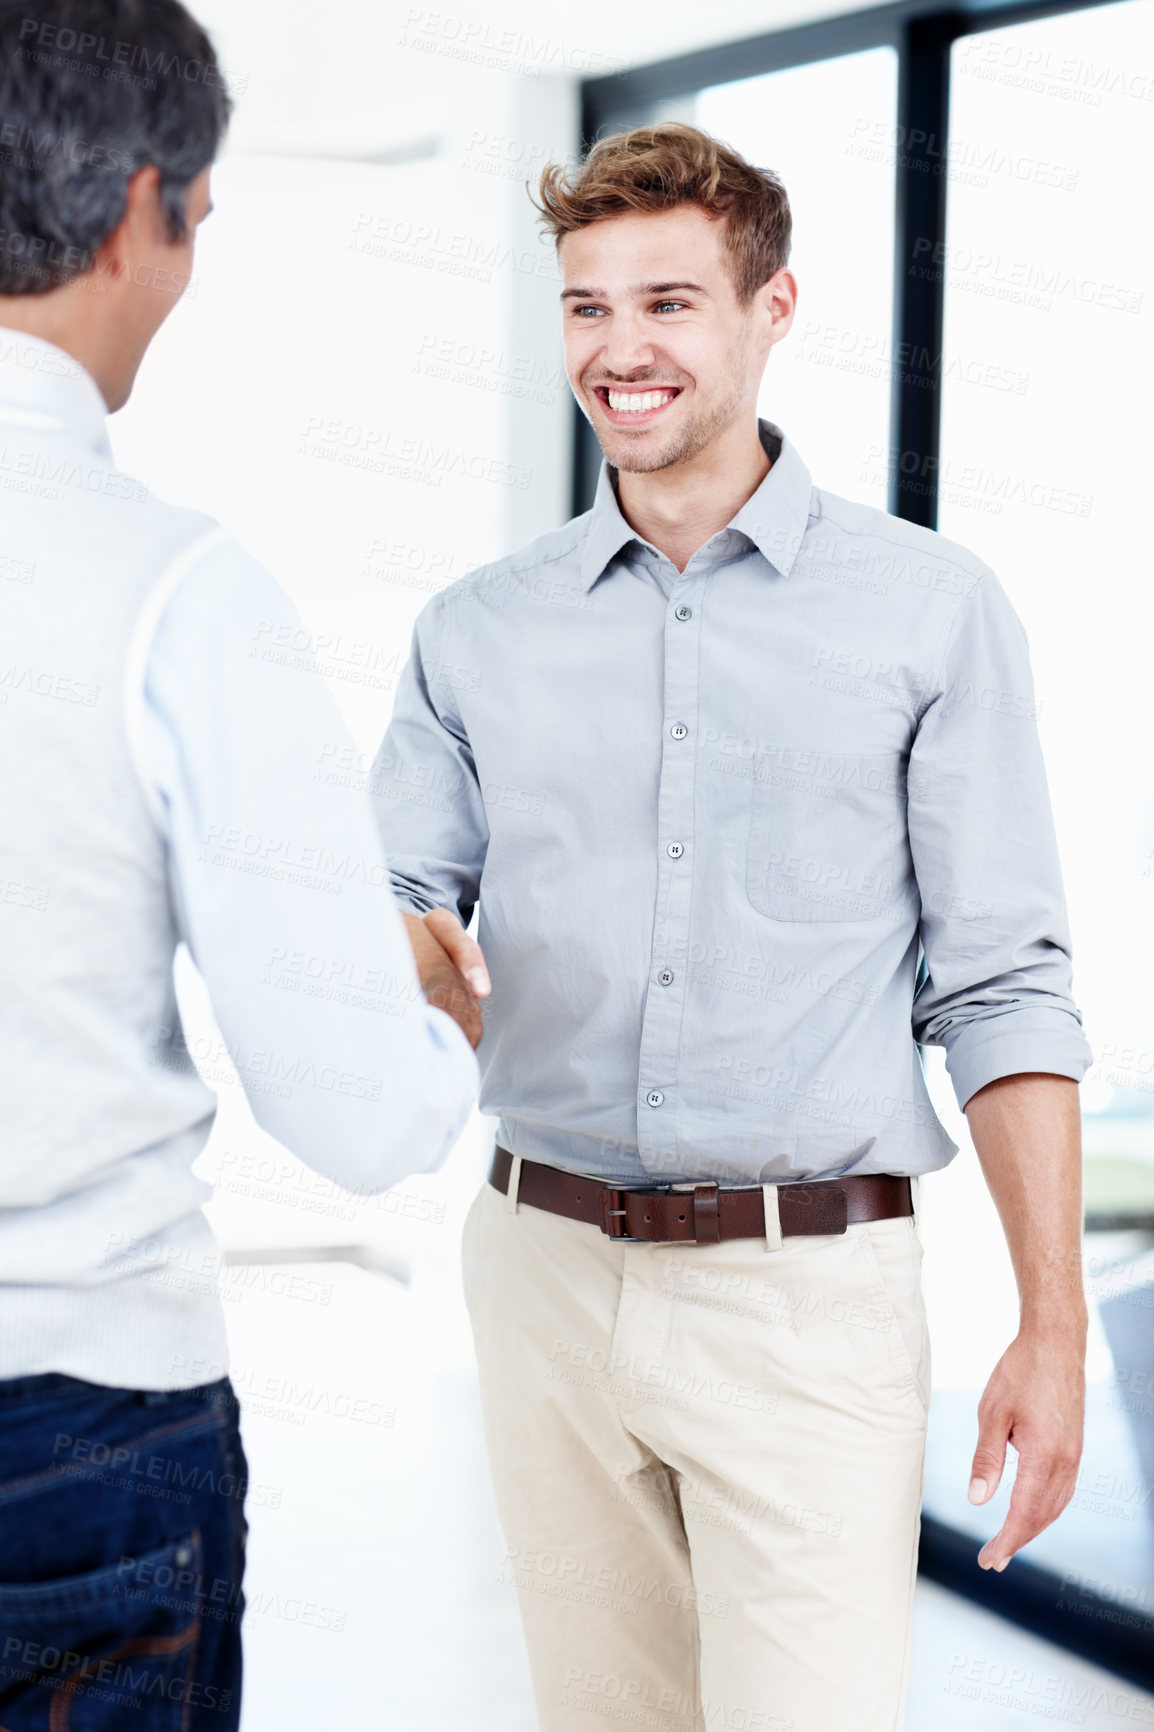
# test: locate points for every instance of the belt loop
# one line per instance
(914, 1199)
(706, 1221)
(513, 1192)
(772, 1218)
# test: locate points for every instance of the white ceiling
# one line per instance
(398, 71)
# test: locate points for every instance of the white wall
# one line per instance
(364, 382)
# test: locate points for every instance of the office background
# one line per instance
(365, 384)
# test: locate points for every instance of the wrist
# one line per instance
(1055, 1321)
(418, 932)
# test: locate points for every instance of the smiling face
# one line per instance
(662, 355)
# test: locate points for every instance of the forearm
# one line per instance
(1026, 1130)
(1027, 1134)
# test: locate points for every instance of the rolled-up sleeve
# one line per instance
(996, 986)
(427, 796)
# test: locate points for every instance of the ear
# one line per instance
(143, 224)
(777, 304)
(143, 208)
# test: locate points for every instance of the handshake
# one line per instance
(451, 968)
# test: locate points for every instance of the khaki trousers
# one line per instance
(707, 1462)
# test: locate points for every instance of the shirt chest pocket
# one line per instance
(828, 837)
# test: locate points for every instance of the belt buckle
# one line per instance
(611, 1194)
(702, 1200)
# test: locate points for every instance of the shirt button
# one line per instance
(182, 1557)
(654, 1098)
(666, 977)
(683, 613)
(675, 850)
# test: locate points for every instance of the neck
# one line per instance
(67, 318)
(679, 508)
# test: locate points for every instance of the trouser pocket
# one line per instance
(894, 1254)
(121, 1557)
(114, 1648)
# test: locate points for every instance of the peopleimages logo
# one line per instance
(221, 844)
(41, 147)
(1022, 281)
(434, 30)
(968, 160)
(114, 56)
(1044, 1695)
(1037, 69)
(974, 485)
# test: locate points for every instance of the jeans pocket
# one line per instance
(827, 837)
(115, 1647)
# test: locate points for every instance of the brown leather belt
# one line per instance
(704, 1214)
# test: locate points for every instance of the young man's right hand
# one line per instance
(451, 968)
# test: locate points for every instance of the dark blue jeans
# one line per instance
(122, 1537)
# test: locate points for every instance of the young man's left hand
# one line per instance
(1035, 1399)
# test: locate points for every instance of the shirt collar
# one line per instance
(607, 532)
(43, 390)
(774, 518)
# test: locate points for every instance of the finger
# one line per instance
(1039, 1496)
(990, 1454)
(462, 950)
(448, 994)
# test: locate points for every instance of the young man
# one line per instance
(157, 774)
(719, 871)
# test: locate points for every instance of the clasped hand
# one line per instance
(451, 968)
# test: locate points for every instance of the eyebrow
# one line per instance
(637, 289)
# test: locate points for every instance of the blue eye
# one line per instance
(677, 306)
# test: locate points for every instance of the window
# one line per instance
(1049, 338)
(828, 130)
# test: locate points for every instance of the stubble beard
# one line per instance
(684, 445)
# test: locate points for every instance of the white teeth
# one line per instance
(637, 402)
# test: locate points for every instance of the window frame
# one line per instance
(922, 37)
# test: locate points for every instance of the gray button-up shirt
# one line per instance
(742, 837)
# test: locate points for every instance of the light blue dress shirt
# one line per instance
(742, 837)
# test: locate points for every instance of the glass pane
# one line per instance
(828, 384)
(1049, 343)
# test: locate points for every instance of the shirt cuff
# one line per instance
(411, 901)
(1020, 1038)
(449, 1037)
